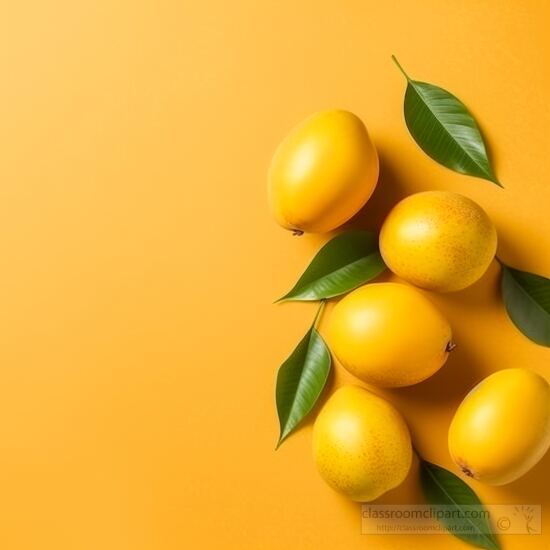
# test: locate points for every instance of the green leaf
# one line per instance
(347, 261)
(444, 128)
(442, 487)
(301, 379)
(527, 300)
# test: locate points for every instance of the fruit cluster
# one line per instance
(390, 334)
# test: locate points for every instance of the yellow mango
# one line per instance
(361, 444)
(322, 173)
(389, 335)
(438, 240)
(502, 428)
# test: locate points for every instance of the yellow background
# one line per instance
(138, 342)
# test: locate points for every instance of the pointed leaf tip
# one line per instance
(301, 380)
(445, 130)
(347, 261)
(442, 487)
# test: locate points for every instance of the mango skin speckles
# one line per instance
(361, 444)
(438, 240)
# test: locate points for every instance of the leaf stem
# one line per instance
(400, 67)
(318, 314)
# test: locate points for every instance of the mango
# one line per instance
(389, 335)
(322, 173)
(438, 240)
(502, 428)
(361, 444)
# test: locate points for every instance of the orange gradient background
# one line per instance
(138, 340)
